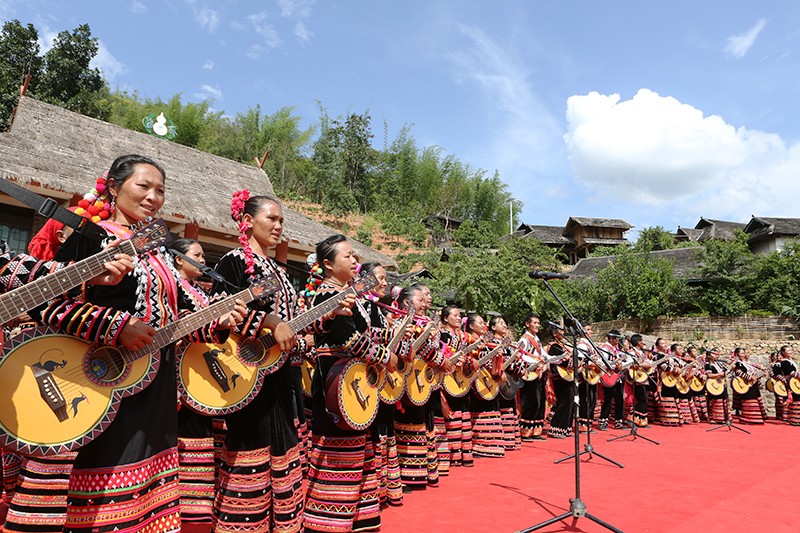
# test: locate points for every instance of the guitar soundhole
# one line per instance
(429, 375)
(372, 376)
(401, 365)
(251, 352)
(105, 366)
(468, 372)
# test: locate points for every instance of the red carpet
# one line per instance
(720, 481)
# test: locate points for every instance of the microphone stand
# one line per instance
(728, 422)
(577, 509)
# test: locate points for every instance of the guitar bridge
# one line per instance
(359, 395)
(457, 380)
(217, 372)
(416, 377)
(391, 380)
(48, 388)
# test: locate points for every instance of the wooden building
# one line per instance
(579, 236)
(767, 234)
(707, 228)
(59, 154)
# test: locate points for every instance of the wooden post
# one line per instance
(282, 251)
(192, 231)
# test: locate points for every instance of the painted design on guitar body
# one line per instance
(214, 380)
(58, 392)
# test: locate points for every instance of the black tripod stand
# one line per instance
(634, 432)
(588, 449)
(577, 509)
(728, 422)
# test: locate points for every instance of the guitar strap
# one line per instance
(49, 208)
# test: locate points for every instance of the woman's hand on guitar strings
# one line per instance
(230, 319)
(116, 269)
(136, 334)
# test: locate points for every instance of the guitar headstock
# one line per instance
(365, 282)
(264, 286)
(154, 234)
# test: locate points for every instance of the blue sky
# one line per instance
(655, 112)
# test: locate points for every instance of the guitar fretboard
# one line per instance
(30, 295)
(175, 331)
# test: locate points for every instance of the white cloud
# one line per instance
(264, 29)
(296, 8)
(657, 151)
(738, 45)
(208, 65)
(138, 8)
(109, 65)
(207, 18)
(522, 137)
(302, 32)
(209, 92)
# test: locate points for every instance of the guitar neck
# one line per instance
(399, 333)
(175, 331)
(44, 289)
(464, 351)
(419, 341)
(512, 358)
(304, 320)
(488, 357)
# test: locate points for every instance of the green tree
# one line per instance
(728, 276)
(19, 54)
(654, 238)
(68, 80)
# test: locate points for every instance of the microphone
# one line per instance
(553, 325)
(538, 274)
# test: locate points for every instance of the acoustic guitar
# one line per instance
(351, 392)
(485, 384)
(395, 384)
(35, 293)
(458, 382)
(58, 393)
(423, 378)
(246, 362)
(307, 376)
(715, 386)
(639, 375)
(742, 385)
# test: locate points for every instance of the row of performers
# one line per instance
(266, 467)
(622, 381)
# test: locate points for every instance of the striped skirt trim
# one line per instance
(342, 486)
(511, 428)
(304, 440)
(487, 434)
(530, 428)
(688, 411)
(138, 497)
(652, 406)
(702, 407)
(40, 501)
(459, 438)
(669, 413)
(196, 478)
(717, 409)
(11, 465)
(432, 457)
(753, 411)
(792, 413)
(780, 401)
(442, 447)
(412, 451)
(390, 488)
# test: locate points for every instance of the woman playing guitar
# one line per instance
(342, 473)
(390, 488)
(457, 417)
(640, 389)
(487, 430)
(141, 443)
(717, 400)
(414, 424)
(512, 436)
(262, 453)
(752, 406)
(788, 369)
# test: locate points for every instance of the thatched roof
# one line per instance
(546, 234)
(684, 259)
(762, 227)
(717, 229)
(65, 151)
(596, 223)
